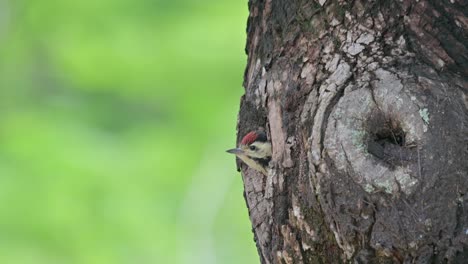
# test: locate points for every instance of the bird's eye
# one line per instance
(252, 148)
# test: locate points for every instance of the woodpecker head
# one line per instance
(254, 150)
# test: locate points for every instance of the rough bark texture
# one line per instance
(366, 104)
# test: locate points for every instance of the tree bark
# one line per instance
(366, 105)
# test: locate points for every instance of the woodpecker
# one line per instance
(254, 150)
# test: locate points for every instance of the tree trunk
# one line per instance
(366, 105)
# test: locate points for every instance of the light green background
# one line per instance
(114, 119)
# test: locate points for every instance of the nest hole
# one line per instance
(390, 135)
(386, 140)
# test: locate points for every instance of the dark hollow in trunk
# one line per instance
(366, 105)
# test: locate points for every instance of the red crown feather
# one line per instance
(249, 138)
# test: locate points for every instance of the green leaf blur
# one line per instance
(114, 119)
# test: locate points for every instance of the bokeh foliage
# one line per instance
(114, 118)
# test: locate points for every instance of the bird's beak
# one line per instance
(235, 151)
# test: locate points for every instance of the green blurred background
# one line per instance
(114, 119)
